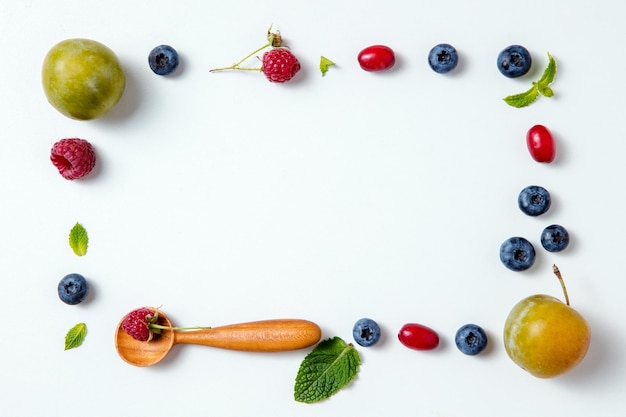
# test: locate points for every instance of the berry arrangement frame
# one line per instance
(75, 159)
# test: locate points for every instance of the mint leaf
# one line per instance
(325, 370)
(548, 74)
(539, 87)
(79, 239)
(75, 336)
(523, 99)
(324, 64)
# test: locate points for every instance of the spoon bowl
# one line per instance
(258, 336)
(140, 353)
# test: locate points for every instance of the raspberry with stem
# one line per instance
(142, 324)
(278, 64)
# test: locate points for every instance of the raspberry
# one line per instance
(73, 157)
(280, 65)
(137, 324)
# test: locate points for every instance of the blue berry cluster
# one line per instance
(517, 253)
(513, 61)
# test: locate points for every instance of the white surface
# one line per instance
(224, 198)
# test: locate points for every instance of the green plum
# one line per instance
(545, 336)
(82, 78)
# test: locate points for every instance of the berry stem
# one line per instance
(235, 66)
(557, 272)
(161, 327)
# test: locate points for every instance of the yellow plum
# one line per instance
(546, 336)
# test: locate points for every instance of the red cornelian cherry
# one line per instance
(376, 58)
(418, 337)
(541, 144)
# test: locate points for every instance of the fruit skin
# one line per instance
(514, 61)
(136, 324)
(280, 65)
(517, 254)
(163, 60)
(73, 289)
(545, 336)
(418, 337)
(471, 339)
(554, 238)
(366, 332)
(443, 58)
(82, 78)
(73, 157)
(376, 58)
(534, 200)
(541, 144)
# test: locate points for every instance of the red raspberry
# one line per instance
(280, 65)
(74, 158)
(137, 324)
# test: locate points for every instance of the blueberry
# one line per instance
(514, 61)
(443, 58)
(554, 238)
(517, 254)
(366, 332)
(471, 339)
(73, 289)
(534, 200)
(163, 60)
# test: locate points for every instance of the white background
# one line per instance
(225, 198)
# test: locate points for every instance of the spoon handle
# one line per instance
(258, 336)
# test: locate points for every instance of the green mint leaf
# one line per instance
(548, 74)
(325, 370)
(523, 99)
(324, 64)
(79, 239)
(75, 336)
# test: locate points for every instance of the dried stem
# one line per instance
(557, 272)
(235, 66)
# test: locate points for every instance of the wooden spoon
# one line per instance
(258, 336)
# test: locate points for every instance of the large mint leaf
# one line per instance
(329, 367)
